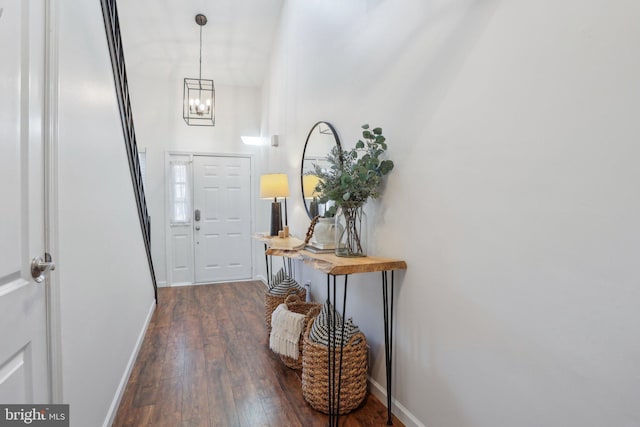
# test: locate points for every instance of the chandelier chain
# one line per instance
(200, 70)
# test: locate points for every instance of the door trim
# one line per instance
(192, 154)
(51, 231)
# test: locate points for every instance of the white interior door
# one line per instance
(222, 228)
(23, 353)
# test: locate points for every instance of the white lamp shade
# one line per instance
(274, 185)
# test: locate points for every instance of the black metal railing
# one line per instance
(114, 40)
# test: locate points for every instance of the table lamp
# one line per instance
(275, 185)
(309, 184)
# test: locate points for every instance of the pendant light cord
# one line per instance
(200, 71)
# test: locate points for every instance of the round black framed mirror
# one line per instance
(321, 139)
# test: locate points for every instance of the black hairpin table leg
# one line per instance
(330, 338)
(333, 363)
(342, 343)
(387, 304)
(266, 261)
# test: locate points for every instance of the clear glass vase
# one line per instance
(351, 231)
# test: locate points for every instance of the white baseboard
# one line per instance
(402, 413)
(113, 409)
(162, 284)
(178, 284)
(263, 279)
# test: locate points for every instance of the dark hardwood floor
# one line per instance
(205, 361)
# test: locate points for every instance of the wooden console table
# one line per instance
(288, 244)
(334, 266)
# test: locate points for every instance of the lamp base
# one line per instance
(276, 218)
(313, 208)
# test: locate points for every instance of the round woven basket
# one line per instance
(315, 373)
(310, 310)
(271, 302)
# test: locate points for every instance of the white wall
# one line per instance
(106, 292)
(514, 130)
(156, 97)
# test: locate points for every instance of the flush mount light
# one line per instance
(199, 95)
(253, 140)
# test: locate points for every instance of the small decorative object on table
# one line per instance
(321, 235)
(354, 177)
(311, 229)
(325, 233)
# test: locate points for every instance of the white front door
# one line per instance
(222, 218)
(24, 375)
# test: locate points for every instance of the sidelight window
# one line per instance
(180, 192)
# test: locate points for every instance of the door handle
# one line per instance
(40, 268)
(196, 214)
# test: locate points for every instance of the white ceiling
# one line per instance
(236, 42)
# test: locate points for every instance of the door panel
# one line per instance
(23, 355)
(182, 245)
(222, 192)
(14, 373)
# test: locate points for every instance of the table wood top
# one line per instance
(329, 263)
(286, 243)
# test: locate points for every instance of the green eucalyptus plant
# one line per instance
(354, 175)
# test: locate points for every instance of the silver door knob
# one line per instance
(197, 227)
(40, 267)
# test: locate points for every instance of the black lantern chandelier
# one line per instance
(199, 97)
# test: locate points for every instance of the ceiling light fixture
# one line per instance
(199, 97)
(253, 140)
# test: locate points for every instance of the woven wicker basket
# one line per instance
(271, 302)
(315, 373)
(310, 310)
